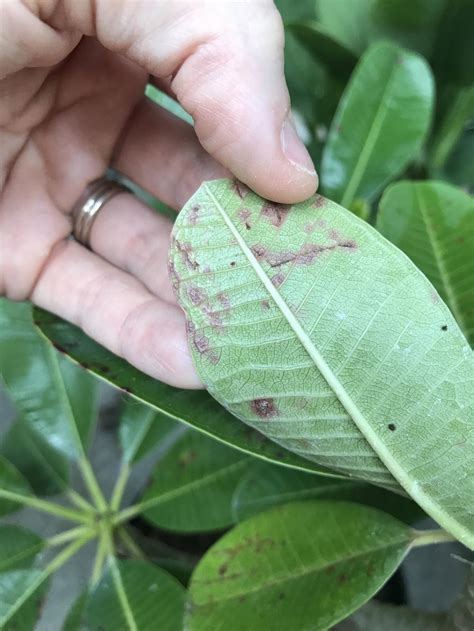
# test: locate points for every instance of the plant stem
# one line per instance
(130, 544)
(127, 514)
(69, 535)
(428, 537)
(45, 506)
(52, 567)
(92, 485)
(100, 555)
(119, 586)
(79, 501)
(120, 485)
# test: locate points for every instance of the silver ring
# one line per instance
(86, 209)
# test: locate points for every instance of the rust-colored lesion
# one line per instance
(276, 214)
(264, 408)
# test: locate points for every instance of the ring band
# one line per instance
(85, 210)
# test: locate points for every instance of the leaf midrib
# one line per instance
(369, 144)
(443, 271)
(316, 567)
(411, 486)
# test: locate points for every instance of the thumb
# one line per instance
(225, 60)
(234, 87)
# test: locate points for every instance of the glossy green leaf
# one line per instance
(141, 430)
(11, 480)
(195, 408)
(380, 124)
(18, 550)
(33, 376)
(45, 468)
(350, 26)
(313, 328)
(433, 223)
(150, 599)
(459, 168)
(305, 566)
(335, 56)
(193, 484)
(265, 485)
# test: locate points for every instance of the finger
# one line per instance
(118, 312)
(162, 154)
(226, 60)
(134, 238)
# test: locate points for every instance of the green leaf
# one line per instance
(348, 25)
(413, 24)
(454, 45)
(304, 566)
(11, 480)
(166, 102)
(334, 55)
(195, 408)
(459, 168)
(433, 223)
(142, 429)
(151, 599)
(45, 468)
(193, 485)
(313, 328)
(455, 121)
(380, 124)
(35, 380)
(265, 485)
(18, 550)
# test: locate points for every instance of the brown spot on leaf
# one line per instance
(232, 263)
(277, 279)
(276, 214)
(194, 214)
(241, 190)
(173, 274)
(444, 327)
(201, 342)
(310, 227)
(244, 216)
(392, 427)
(319, 201)
(196, 295)
(258, 250)
(265, 304)
(329, 570)
(187, 457)
(223, 569)
(224, 300)
(185, 249)
(264, 408)
(342, 578)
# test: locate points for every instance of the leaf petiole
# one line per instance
(70, 535)
(429, 537)
(46, 506)
(92, 484)
(119, 488)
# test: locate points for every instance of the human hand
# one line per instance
(72, 77)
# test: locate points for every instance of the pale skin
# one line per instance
(72, 77)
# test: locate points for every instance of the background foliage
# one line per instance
(383, 95)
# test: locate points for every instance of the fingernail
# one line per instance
(294, 149)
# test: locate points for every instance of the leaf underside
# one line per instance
(312, 328)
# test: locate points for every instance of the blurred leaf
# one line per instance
(459, 168)
(18, 550)
(433, 223)
(152, 600)
(33, 376)
(142, 429)
(335, 56)
(193, 484)
(380, 124)
(455, 121)
(300, 566)
(11, 480)
(195, 408)
(265, 485)
(348, 23)
(45, 468)
(311, 327)
(454, 46)
(358, 23)
(291, 10)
